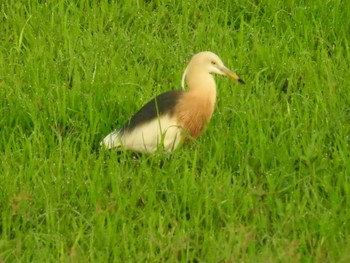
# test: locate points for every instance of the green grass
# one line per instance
(268, 181)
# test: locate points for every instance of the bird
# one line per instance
(175, 116)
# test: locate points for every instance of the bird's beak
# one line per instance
(231, 74)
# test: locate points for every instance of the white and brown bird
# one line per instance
(173, 116)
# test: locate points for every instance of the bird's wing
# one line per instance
(162, 104)
(146, 119)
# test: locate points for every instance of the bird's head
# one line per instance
(211, 63)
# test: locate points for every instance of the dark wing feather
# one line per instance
(162, 104)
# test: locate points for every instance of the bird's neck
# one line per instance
(203, 86)
(197, 105)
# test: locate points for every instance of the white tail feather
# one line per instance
(112, 140)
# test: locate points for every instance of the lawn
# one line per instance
(268, 180)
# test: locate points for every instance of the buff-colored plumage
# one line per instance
(169, 118)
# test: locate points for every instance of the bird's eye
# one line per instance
(213, 63)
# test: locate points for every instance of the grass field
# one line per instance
(268, 181)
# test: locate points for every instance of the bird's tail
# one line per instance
(112, 140)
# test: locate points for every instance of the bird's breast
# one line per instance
(194, 112)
